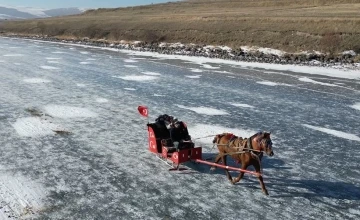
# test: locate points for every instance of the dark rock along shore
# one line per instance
(308, 59)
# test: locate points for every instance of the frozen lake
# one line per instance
(73, 145)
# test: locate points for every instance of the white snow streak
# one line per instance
(36, 80)
(335, 133)
(20, 198)
(49, 68)
(242, 105)
(69, 112)
(34, 127)
(204, 110)
(137, 77)
(356, 106)
(305, 79)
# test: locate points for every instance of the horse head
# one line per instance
(262, 142)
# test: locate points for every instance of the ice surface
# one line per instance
(33, 127)
(137, 77)
(305, 79)
(69, 112)
(36, 80)
(152, 73)
(194, 77)
(335, 133)
(204, 110)
(242, 105)
(356, 106)
(49, 68)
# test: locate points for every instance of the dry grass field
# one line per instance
(290, 25)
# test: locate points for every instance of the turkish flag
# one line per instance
(143, 110)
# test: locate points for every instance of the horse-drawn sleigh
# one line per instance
(175, 147)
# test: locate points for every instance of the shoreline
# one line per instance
(345, 61)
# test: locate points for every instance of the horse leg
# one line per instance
(217, 158)
(223, 158)
(241, 175)
(257, 168)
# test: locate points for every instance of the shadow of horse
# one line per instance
(203, 168)
(308, 188)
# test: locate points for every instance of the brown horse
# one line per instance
(246, 151)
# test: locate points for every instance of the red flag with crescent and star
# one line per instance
(143, 110)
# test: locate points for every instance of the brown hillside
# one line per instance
(291, 25)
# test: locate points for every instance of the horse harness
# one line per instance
(241, 147)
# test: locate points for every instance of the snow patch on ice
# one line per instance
(207, 66)
(84, 63)
(152, 73)
(58, 52)
(53, 62)
(81, 85)
(36, 80)
(102, 100)
(268, 83)
(90, 59)
(130, 89)
(204, 110)
(49, 68)
(194, 70)
(242, 105)
(356, 106)
(340, 73)
(53, 58)
(335, 133)
(60, 111)
(34, 127)
(130, 61)
(137, 77)
(13, 55)
(84, 52)
(158, 95)
(305, 79)
(130, 66)
(194, 77)
(20, 197)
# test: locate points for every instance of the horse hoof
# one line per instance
(266, 192)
